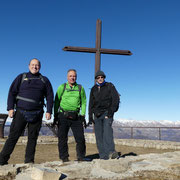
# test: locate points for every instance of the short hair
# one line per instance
(37, 60)
(72, 70)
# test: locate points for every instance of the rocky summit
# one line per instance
(147, 167)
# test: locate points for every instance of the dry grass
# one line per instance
(49, 152)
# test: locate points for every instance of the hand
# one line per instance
(83, 120)
(110, 113)
(84, 125)
(48, 116)
(55, 120)
(11, 113)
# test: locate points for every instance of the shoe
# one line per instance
(114, 155)
(84, 159)
(3, 163)
(65, 160)
(104, 158)
(80, 159)
(28, 162)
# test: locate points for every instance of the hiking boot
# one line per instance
(80, 159)
(104, 158)
(65, 160)
(114, 155)
(84, 159)
(30, 162)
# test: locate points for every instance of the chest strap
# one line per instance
(28, 100)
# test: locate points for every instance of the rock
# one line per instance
(44, 174)
(8, 171)
(116, 166)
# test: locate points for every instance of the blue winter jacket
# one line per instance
(32, 87)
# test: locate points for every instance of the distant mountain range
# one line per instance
(148, 123)
(159, 131)
(127, 129)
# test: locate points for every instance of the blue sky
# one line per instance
(148, 81)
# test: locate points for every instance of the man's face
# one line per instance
(100, 79)
(34, 66)
(71, 77)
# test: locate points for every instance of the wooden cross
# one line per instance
(98, 50)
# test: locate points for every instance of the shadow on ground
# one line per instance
(96, 156)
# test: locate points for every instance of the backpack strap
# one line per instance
(62, 92)
(28, 100)
(79, 87)
(42, 79)
(23, 77)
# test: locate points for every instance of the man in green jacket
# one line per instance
(69, 112)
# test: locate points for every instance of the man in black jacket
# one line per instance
(25, 106)
(103, 102)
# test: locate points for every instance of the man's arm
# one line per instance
(58, 98)
(13, 91)
(91, 102)
(57, 103)
(83, 102)
(49, 99)
(115, 100)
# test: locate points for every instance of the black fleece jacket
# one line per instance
(103, 98)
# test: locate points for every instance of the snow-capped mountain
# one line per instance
(148, 123)
(155, 130)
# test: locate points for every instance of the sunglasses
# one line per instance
(102, 77)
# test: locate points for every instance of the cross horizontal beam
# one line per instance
(94, 50)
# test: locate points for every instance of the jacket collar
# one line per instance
(102, 84)
(37, 74)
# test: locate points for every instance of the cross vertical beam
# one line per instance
(98, 46)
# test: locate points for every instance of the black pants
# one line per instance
(17, 127)
(64, 125)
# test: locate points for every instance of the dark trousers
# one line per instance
(17, 128)
(104, 136)
(76, 126)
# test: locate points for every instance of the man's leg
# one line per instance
(78, 132)
(63, 128)
(99, 131)
(17, 127)
(33, 132)
(108, 138)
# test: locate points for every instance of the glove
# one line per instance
(91, 121)
(55, 121)
(83, 120)
(110, 113)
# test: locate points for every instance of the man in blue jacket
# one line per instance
(25, 105)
